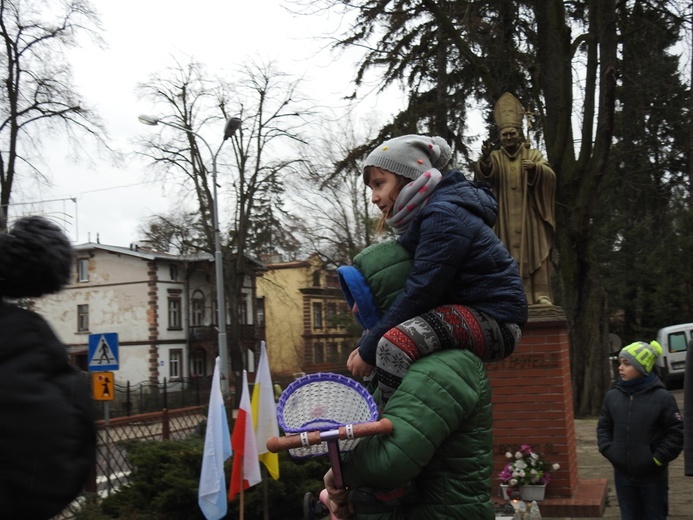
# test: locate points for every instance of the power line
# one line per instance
(74, 199)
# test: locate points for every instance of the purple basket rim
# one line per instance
(316, 378)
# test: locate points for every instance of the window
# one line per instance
(318, 353)
(83, 318)
(316, 279)
(260, 305)
(333, 353)
(198, 363)
(198, 308)
(250, 360)
(678, 341)
(174, 321)
(331, 311)
(81, 361)
(243, 309)
(332, 281)
(173, 271)
(317, 315)
(175, 363)
(83, 270)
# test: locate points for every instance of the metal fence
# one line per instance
(112, 469)
(146, 397)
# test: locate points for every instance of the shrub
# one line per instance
(165, 477)
(163, 482)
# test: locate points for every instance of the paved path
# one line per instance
(593, 465)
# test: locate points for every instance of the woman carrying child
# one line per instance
(462, 303)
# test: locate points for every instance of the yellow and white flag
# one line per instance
(265, 414)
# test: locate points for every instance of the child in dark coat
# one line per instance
(640, 431)
(463, 289)
(47, 436)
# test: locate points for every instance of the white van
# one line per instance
(674, 340)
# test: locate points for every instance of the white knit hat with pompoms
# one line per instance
(410, 155)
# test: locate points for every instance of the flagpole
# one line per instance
(241, 505)
(265, 493)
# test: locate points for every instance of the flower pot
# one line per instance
(504, 491)
(533, 492)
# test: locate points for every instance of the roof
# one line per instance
(287, 265)
(145, 253)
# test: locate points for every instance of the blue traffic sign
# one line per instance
(103, 352)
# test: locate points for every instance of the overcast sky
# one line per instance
(96, 198)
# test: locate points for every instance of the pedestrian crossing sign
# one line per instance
(103, 352)
(102, 386)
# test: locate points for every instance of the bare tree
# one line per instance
(178, 232)
(332, 198)
(273, 115)
(37, 94)
(190, 101)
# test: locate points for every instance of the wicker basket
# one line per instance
(322, 402)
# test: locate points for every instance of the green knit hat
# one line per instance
(642, 355)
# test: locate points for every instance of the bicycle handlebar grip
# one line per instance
(381, 427)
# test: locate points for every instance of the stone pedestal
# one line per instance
(533, 404)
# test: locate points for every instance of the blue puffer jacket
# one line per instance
(458, 259)
(635, 428)
(441, 442)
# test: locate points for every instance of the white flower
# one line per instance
(526, 467)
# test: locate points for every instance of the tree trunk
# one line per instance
(583, 297)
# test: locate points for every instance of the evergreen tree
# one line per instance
(640, 207)
(524, 47)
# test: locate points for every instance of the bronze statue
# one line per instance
(525, 186)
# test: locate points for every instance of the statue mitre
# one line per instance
(508, 112)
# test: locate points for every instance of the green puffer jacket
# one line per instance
(441, 441)
(385, 267)
(374, 281)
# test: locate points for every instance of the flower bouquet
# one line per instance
(526, 468)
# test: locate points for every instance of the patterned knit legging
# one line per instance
(445, 327)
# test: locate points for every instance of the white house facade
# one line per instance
(161, 306)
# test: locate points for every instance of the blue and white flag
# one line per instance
(211, 495)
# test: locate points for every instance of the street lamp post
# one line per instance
(229, 129)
